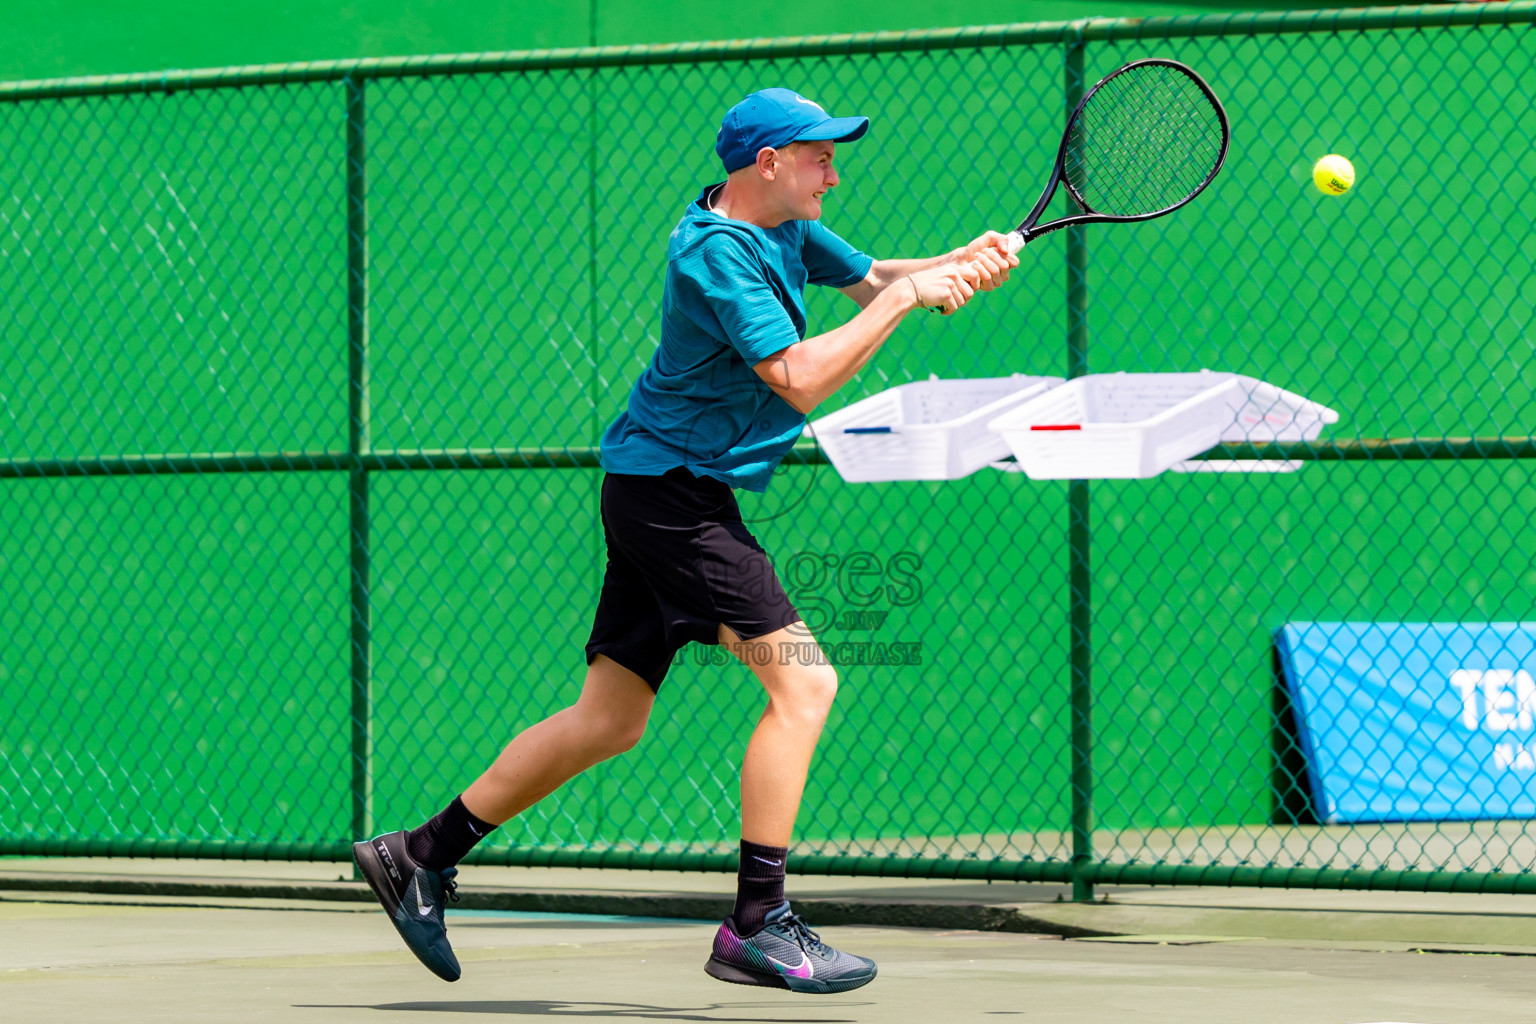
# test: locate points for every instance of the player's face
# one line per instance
(805, 174)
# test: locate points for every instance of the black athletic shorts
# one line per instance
(680, 563)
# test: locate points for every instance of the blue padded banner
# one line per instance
(1415, 721)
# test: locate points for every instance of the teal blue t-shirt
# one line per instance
(734, 295)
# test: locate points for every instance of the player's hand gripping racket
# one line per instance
(1142, 143)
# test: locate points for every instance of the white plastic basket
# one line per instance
(1265, 413)
(927, 430)
(1136, 425)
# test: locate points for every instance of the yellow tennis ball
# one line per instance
(1333, 175)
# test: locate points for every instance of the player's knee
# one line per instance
(607, 733)
(814, 690)
(827, 684)
(613, 735)
(626, 734)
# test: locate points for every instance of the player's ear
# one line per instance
(768, 162)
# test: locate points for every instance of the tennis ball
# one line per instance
(1333, 175)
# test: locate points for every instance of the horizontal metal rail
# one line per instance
(585, 457)
(582, 457)
(1360, 19)
(1371, 449)
(1314, 878)
(181, 849)
(975, 869)
(651, 860)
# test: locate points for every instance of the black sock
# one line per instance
(446, 837)
(759, 885)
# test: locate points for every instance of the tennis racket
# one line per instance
(1143, 142)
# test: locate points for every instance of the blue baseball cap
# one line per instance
(777, 117)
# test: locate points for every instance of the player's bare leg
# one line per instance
(763, 942)
(412, 872)
(608, 719)
(778, 757)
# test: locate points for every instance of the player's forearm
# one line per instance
(888, 272)
(885, 273)
(807, 373)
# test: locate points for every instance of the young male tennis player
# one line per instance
(724, 398)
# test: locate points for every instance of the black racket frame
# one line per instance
(1028, 230)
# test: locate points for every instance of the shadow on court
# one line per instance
(566, 1008)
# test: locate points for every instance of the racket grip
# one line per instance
(1015, 241)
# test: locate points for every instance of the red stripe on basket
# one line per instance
(1056, 426)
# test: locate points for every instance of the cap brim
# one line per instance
(835, 129)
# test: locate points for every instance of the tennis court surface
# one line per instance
(1185, 955)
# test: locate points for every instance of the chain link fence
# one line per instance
(303, 367)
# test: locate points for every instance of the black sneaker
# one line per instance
(785, 953)
(412, 897)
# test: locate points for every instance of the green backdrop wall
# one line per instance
(173, 268)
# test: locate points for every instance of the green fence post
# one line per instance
(1080, 607)
(358, 445)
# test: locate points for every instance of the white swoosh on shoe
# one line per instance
(801, 970)
(426, 908)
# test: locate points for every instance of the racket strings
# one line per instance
(1141, 141)
(1145, 141)
(1143, 147)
